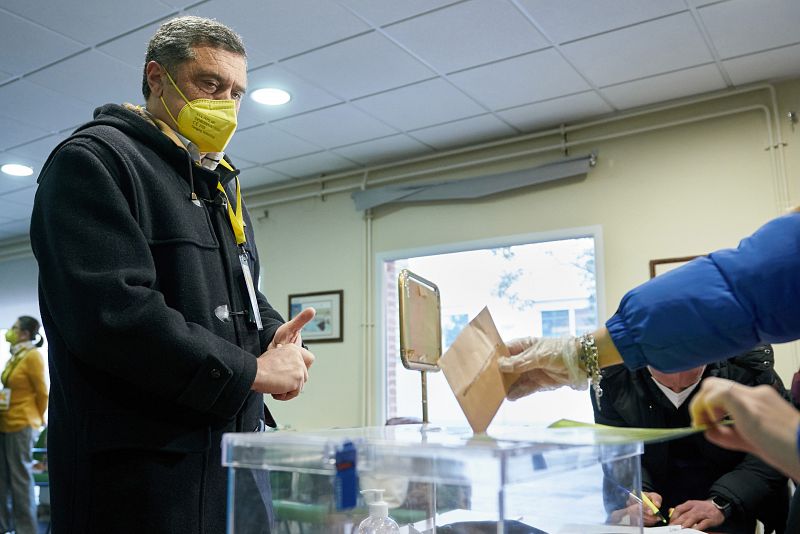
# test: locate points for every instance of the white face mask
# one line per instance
(676, 398)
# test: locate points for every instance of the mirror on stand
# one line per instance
(420, 328)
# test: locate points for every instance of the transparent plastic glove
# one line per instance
(545, 364)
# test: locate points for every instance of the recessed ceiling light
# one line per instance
(271, 96)
(15, 169)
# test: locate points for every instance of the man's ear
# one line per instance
(154, 78)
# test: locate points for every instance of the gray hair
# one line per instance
(173, 42)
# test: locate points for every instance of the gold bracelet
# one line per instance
(590, 361)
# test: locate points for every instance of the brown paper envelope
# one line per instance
(470, 367)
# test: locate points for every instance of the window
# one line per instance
(568, 322)
(585, 320)
(555, 323)
(535, 289)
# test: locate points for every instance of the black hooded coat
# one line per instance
(145, 378)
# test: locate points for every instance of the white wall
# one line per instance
(676, 191)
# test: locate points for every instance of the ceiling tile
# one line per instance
(14, 183)
(521, 80)
(17, 228)
(463, 132)
(380, 12)
(177, 3)
(532, 117)
(241, 163)
(37, 152)
(335, 126)
(305, 96)
(422, 104)
(567, 20)
(276, 29)
(13, 133)
(665, 87)
(5, 77)
(312, 165)
(24, 46)
(132, 47)
(260, 176)
(22, 196)
(360, 66)
(655, 47)
(43, 108)
(14, 210)
(266, 143)
(742, 27)
(102, 79)
(247, 120)
(468, 34)
(88, 21)
(382, 150)
(771, 65)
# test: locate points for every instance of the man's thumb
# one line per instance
(299, 321)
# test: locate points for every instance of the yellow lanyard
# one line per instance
(236, 216)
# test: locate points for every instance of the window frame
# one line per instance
(379, 401)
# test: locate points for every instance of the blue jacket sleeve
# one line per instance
(716, 306)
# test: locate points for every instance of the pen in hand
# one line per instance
(645, 501)
(650, 504)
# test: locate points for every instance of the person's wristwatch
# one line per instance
(723, 505)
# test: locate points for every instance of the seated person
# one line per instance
(708, 488)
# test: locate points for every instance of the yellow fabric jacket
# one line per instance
(28, 394)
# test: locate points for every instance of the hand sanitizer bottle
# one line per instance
(378, 521)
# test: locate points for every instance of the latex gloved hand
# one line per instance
(545, 364)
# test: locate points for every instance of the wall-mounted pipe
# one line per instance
(778, 179)
(560, 131)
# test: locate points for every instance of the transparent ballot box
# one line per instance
(435, 480)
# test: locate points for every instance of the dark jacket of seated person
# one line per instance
(743, 488)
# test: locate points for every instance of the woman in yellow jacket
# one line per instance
(23, 402)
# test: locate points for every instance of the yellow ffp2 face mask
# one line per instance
(206, 122)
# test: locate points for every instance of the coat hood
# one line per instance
(132, 125)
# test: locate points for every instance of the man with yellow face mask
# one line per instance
(160, 341)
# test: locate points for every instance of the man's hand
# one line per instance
(289, 332)
(699, 515)
(632, 512)
(283, 371)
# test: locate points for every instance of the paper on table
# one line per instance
(604, 434)
(470, 367)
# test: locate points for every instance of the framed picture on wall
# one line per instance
(664, 265)
(326, 326)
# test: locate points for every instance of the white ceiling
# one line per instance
(381, 80)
